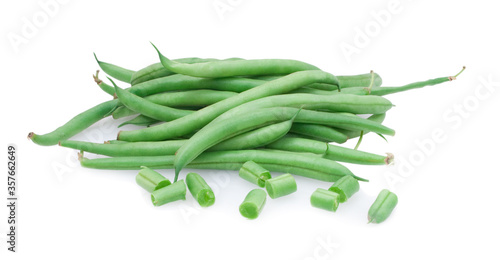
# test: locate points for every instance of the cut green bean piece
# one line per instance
(345, 187)
(173, 192)
(325, 199)
(151, 180)
(280, 186)
(253, 204)
(200, 189)
(382, 207)
(254, 173)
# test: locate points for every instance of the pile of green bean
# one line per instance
(283, 115)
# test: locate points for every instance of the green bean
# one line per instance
(157, 70)
(221, 69)
(149, 108)
(197, 120)
(330, 151)
(75, 125)
(254, 173)
(362, 80)
(256, 138)
(200, 189)
(281, 186)
(345, 187)
(188, 98)
(224, 129)
(382, 207)
(114, 71)
(140, 120)
(338, 103)
(319, 132)
(378, 118)
(300, 164)
(325, 199)
(253, 204)
(151, 180)
(381, 91)
(252, 139)
(105, 87)
(210, 136)
(173, 192)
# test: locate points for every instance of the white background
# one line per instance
(448, 189)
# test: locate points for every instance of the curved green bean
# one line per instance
(197, 120)
(330, 151)
(114, 71)
(220, 69)
(299, 164)
(319, 132)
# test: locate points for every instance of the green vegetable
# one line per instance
(325, 199)
(281, 186)
(254, 173)
(230, 68)
(345, 187)
(253, 204)
(173, 192)
(382, 207)
(114, 71)
(151, 180)
(200, 189)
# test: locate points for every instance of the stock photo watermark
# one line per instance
(453, 117)
(71, 161)
(365, 34)
(223, 7)
(325, 248)
(32, 25)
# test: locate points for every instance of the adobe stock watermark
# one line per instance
(363, 35)
(453, 118)
(31, 26)
(71, 160)
(324, 249)
(217, 182)
(222, 7)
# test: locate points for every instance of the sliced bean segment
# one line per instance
(151, 180)
(254, 173)
(200, 190)
(382, 207)
(325, 199)
(253, 204)
(281, 186)
(173, 192)
(345, 187)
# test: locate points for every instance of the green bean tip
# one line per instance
(31, 135)
(96, 78)
(389, 160)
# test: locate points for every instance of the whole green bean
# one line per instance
(197, 120)
(319, 132)
(300, 164)
(330, 151)
(148, 108)
(114, 71)
(157, 70)
(210, 136)
(221, 69)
